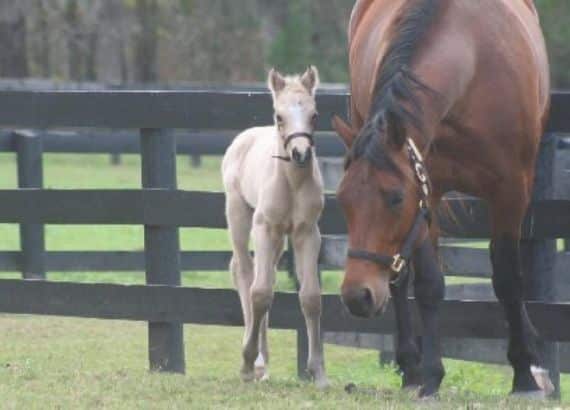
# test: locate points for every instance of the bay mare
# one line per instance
(457, 91)
(273, 189)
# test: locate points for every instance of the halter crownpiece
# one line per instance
(290, 138)
(400, 261)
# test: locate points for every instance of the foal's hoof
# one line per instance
(322, 383)
(247, 375)
(261, 373)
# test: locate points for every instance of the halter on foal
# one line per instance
(474, 93)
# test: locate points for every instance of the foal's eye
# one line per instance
(395, 199)
(279, 119)
(315, 118)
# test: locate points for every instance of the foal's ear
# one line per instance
(345, 131)
(392, 126)
(276, 82)
(311, 79)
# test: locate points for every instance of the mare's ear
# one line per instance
(393, 128)
(311, 79)
(276, 82)
(345, 131)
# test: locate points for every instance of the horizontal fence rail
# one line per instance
(163, 207)
(202, 109)
(481, 319)
(128, 142)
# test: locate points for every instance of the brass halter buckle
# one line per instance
(398, 264)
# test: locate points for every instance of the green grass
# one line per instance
(74, 363)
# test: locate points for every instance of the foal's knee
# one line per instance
(311, 302)
(261, 298)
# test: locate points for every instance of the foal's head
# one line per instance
(380, 195)
(295, 112)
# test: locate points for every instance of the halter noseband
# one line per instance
(400, 261)
(290, 138)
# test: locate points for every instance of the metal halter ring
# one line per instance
(398, 264)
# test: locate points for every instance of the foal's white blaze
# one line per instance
(295, 108)
(269, 198)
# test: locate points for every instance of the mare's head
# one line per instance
(295, 111)
(380, 196)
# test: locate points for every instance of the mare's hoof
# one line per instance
(427, 393)
(537, 395)
(542, 378)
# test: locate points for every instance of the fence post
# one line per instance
(162, 255)
(30, 175)
(539, 256)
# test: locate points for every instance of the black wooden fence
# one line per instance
(161, 208)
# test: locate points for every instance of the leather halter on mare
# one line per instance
(291, 138)
(400, 261)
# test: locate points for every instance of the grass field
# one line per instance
(75, 364)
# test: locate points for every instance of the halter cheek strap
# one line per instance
(290, 138)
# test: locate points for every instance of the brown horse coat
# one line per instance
(468, 82)
(477, 116)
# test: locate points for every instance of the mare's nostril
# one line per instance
(360, 302)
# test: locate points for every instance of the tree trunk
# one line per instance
(13, 45)
(44, 53)
(146, 42)
(74, 40)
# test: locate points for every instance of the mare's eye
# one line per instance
(395, 199)
(279, 119)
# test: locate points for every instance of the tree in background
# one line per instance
(213, 41)
(146, 41)
(554, 16)
(13, 39)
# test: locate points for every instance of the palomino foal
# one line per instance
(274, 188)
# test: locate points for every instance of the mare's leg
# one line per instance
(506, 215)
(239, 216)
(407, 355)
(429, 292)
(307, 244)
(268, 243)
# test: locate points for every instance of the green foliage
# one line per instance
(291, 51)
(554, 17)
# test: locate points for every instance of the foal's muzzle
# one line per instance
(302, 159)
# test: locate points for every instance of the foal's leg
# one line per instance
(307, 244)
(268, 243)
(429, 291)
(508, 284)
(407, 354)
(262, 361)
(239, 216)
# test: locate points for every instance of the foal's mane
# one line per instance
(395, 97)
